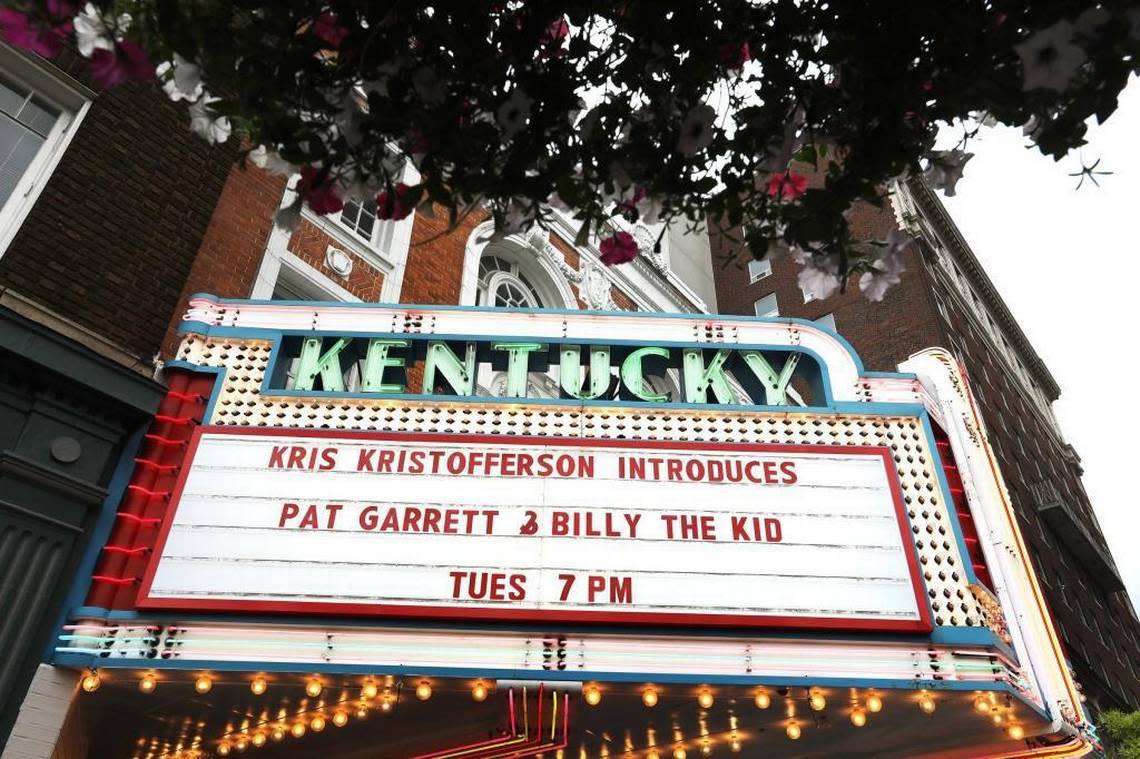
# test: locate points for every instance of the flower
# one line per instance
(204, 124)
(394, 204)
(92, 30)
(820, 273)
(619, 249)
(326, 28)
(885, 273)
(640, 206)
(320, 195)
(556, 32)
(514, 112)
(696, 130)
(946, 167)
(734, 55)
(17, 30)
(185, 83)
(264, 158)
(126, 62)
(788, 185)
(1049, 59)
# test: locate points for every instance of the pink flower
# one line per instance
(327, 29)
(556, 32)
(788, 185)
(394, 205)
(19, 31)
(619, 249)
(321, 196)
(127, 62)
(734, 55)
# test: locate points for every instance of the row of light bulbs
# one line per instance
(987, 704)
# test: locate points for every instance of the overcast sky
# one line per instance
(1067, 263)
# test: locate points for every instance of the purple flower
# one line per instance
(328, 30)
(320, 195)
(127, 62)
(19, 31)
(619, 249)
(394, 205)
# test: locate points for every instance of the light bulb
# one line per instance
(298, 729)
(679, 753)
(996, 718)
(361, 711)
(241, 744)
(479, 692)
(91, 681)
(313, 688)
(340, 719)
(649, 697)
(278, 733)
(793, 731)
(148, 683)
(258, 685)
(223, 749)
(369, 690)
(706, 750)
(387, 704)
(763, 700)
(982, 704)
(258, 739)
(858, 717)
(817, 701)
(926, 704)
(874, 704)
(652, 754)
(592, 694)
(705, 698)
(1017, 732)
(318, 724)
(734, 745)
(203, 684)
(423, 690)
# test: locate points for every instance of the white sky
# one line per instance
(1067, 263)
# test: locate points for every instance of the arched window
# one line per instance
(503, 285)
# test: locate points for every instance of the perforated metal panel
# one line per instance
(241, 403)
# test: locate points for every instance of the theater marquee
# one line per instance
(572, 530)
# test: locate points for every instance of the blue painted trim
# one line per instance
(100, 531)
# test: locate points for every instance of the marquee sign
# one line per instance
(542, 529)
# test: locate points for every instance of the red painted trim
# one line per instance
(867, 624)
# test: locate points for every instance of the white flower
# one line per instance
(946, 167)
(92, 31)
(514, 112)
(696, 130)
(186, 81)
(203, 123)
(886, 271)
(264, 158)
(1049, 59)
(820, 275)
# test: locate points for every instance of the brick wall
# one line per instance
(311, 244)
(233, 244)
(435, 259)
(113, 235)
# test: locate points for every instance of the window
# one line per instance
(767, 306)
(827, 320)
(37, 114)
(809, 296)
(757, 270)
(502, 285)
(359, 219)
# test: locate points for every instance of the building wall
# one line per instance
(123, 214)
(933, 308)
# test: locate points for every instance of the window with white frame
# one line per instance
(827, 320)
(37, 112)
(503, 285)
(757, 270)
(767, 306)
(809, 296)
(360, 218)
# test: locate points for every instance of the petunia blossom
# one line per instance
(93, 30)
(185, 79)
(887, 270)
(204, 122)
(787, 185)
(820, 273)
(270, 160)
(514, 112)
(19, 31)
(395, 204)
(321, 196)
(619, 249)
(556, 32)
(696, 130)
(734, 55)
(127, 62)
(945, 169)
(328, 29)
(1050, 59)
